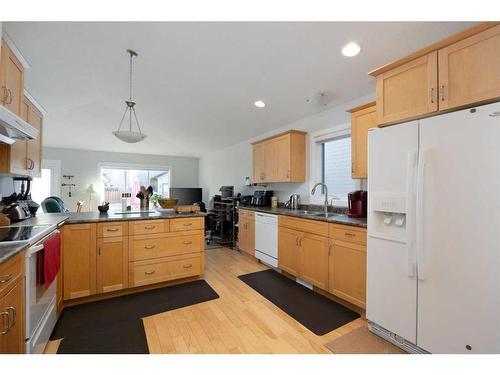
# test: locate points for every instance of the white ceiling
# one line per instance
(195, 83)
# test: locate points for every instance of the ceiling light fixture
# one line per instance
(351, 49)
(130, 136)
(259, 104)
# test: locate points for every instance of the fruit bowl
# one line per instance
(167, 202)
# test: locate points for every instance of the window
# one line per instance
(116, 180)
(49, 183)
(336, 167)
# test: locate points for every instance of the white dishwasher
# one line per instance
(266, 238)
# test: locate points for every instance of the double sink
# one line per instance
(317, 214)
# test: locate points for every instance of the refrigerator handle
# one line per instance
(420, 214)
(410, 211)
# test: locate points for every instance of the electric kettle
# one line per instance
(294, 202)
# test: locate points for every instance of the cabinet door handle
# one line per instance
(5, 95)
(187, 266)
(347, 234)
(149, 247)
(329, 249)
(150, 227)
(431, 95)
(288, 173)
(188, 242)
(441, 92)
(12, 309)
(149, 272)
(9, 96)
(99, 250)
(5, 329)
(296, 241)
(187, 224)
(5, 278)
(112, 229)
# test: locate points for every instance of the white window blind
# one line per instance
(336, 168)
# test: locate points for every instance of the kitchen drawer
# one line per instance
(105, 230)
(348, 233)
(304, 225)
(148, 226)
(164, 269)
(10, 271)
(247, 214)
(160, 245)
(187, 223)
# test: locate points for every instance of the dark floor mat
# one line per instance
(114, 325)
(316, 312)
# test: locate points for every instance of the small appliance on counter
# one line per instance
(294, 202)
(357, 203)
(226, 191)
(262, 198)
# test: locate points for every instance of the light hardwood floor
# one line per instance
(240, 321)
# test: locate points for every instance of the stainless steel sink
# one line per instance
(330, 214)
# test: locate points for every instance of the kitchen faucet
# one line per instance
(326, 195)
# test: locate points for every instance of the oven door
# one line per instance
(39, 299)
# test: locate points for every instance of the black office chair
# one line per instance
(212, 223)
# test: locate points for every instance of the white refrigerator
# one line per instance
(433, 262)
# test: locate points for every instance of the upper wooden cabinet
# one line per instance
(280, 158)
(11, 80)
(459, 71)
(34, 146)
(409, 90)
(469, 70)
(362, 118)
(24, 157)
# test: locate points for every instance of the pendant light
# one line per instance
(129, 135)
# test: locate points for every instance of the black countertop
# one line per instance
(336, 218)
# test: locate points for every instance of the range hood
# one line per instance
(13, 127)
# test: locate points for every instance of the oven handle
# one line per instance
(39, 245)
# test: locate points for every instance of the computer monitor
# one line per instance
(186, 195)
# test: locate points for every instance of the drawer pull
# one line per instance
(150, 227)
(188, 266)
(347, 234)
(112, 229)
(187, 224)
(5, 278)
(149, 272)
(188, 242)
(5, 329)
(149, 247)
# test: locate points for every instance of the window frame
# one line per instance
(115, 165)
(317, 140)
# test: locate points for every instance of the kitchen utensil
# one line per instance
(150, 191)
(140, 195)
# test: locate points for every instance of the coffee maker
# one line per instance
(357, 203)
(262, 198)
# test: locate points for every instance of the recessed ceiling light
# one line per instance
(259, 104)
(351, 49)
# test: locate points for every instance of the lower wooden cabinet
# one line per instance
(79, 260)
(12, 319)
(246, 232)
(334, 261)
(313, 260)
(288, 250)
(347, 272)
(112, 264)
(102, 258)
